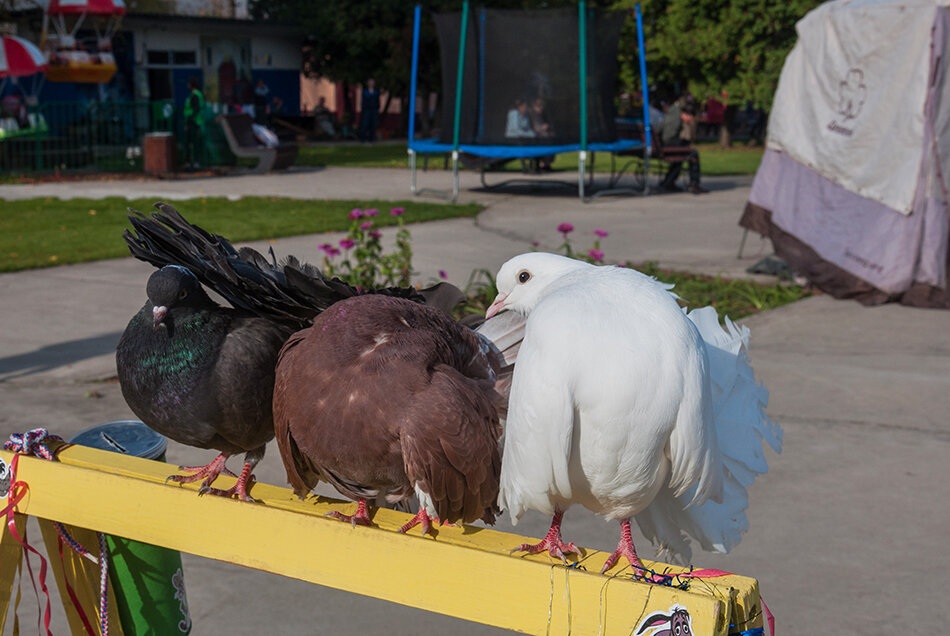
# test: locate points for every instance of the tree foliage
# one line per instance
(707, 46)
(350, 41)
(710, 46)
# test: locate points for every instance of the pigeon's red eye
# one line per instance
(524, 276)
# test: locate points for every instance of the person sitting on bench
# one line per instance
(675, 131)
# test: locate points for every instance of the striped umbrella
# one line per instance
(19, 57)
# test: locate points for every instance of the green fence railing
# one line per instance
(66, 136)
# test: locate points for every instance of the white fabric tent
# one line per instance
(853, 187)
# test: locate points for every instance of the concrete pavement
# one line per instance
(847, 528)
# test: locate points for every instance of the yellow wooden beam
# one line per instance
(464, 572)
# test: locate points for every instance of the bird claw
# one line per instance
(422, 517)
(361, 516)
(230, 492)
(353, 519)
(201, 471)
(555, 547)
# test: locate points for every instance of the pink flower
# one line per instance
(597, 255)
(565, 229)
(347, 243)
(326, 247)
(376, 234)
(535, 243)
(443, 274)
(355, 213)
(601, 233)
(333, 251)
(397, 211)
(365, 225)
(371, 212)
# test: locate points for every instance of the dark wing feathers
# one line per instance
(288, 292)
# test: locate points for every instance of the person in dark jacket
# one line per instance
(369, 111)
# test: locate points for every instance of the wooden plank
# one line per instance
(11, 553)
(82, 576)
(464, 572)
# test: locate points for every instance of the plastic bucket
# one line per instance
(148, 581)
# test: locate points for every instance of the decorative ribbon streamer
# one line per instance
(35, 442)
(17, 492)
(87, 626)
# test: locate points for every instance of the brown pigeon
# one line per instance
(385, 399)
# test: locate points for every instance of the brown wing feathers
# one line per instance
(386, 393)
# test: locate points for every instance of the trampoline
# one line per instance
(555, 66)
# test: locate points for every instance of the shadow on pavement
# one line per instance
(56, 355)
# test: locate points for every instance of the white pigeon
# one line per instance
(623, 403)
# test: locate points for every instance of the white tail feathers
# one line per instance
(741, 427)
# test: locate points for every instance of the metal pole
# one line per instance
(415, 73)
(412, 98)
(459, 73)
(582, 44)
(644, 88)
(459, 76)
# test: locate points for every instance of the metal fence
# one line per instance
(69, 136)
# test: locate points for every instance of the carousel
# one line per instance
(73, 57)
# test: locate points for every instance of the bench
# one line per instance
(243, 143)
(661, 156)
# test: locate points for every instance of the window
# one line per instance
(156, 58)
(183, 58)
(172, 58)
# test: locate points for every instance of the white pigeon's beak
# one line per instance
(158, 316)
(496, 306)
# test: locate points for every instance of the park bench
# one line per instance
(244, 144)
(661, 156)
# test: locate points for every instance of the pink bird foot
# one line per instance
(625, 549)
(209, 472)
(239, 488)
(422, 517)
(552, 541)
(361, 517)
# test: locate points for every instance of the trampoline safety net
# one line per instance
(532, 58)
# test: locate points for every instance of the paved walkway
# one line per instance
(847, 529)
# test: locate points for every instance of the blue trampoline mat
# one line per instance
(425, 146)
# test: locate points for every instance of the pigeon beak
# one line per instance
(496, 306)
(158, 316)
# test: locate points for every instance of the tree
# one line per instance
(710, 47)
(350, 41)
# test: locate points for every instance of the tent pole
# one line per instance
(582, 155)
(647, 132)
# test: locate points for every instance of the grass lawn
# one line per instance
(714, 160)
(46, 232)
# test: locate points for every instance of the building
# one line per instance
(160, 44)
